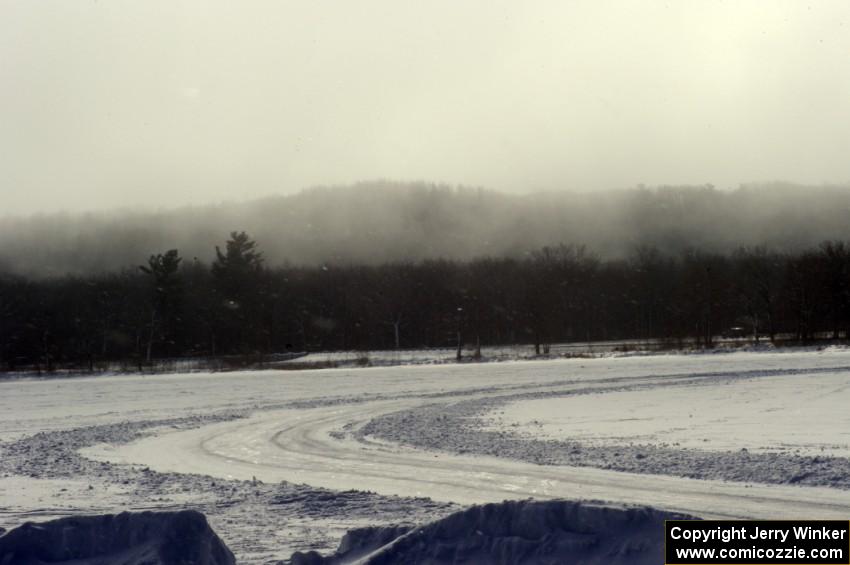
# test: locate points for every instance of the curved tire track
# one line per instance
(298, 446)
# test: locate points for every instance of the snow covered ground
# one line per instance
(584, 349)
(488, 353)
(804, 415)
(288, 460)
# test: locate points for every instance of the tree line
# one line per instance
(169, 307)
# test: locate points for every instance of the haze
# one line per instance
(162, 103)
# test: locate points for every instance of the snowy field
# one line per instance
(799, 415)
(288, 460)
(488, 353)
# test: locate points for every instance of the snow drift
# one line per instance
(144, 538)
(513, 532)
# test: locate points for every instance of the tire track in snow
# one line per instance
(298, 446)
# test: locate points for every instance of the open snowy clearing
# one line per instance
(804, 415)
(457, 433)
(488, 353)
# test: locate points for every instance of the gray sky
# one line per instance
(159, 103)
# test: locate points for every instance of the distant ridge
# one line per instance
(374, 222)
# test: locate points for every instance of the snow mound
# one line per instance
(356, 544)
(513, 532)
(144, 538)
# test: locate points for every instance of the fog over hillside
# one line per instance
(383, 221)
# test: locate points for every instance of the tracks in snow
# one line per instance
(302, 446)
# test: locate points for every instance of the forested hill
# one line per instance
(382, 221)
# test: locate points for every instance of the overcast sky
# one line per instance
(159, 103)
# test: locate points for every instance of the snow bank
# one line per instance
(356, 544)
(149, 538)
(513, 532)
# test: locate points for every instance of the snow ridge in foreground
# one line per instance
(514, 532)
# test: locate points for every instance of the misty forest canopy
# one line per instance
(378, 222)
